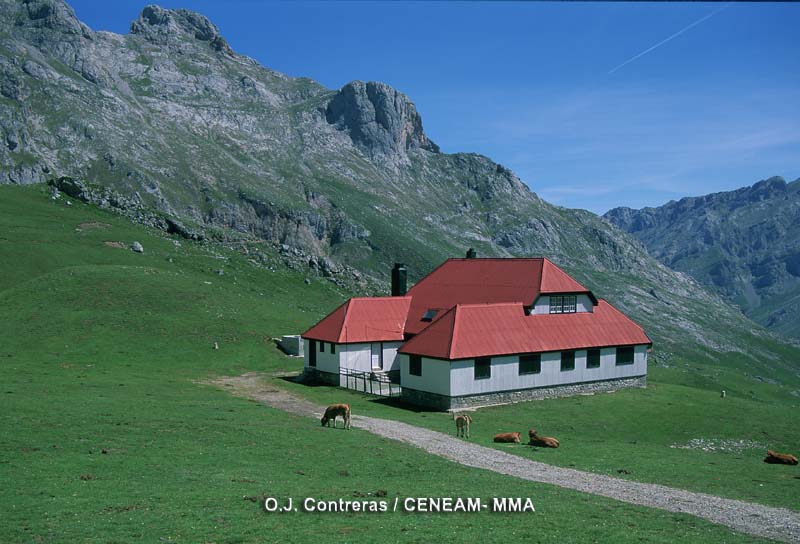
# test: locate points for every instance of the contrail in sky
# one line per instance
(662, 42)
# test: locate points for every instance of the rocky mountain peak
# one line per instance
(379, 119)
(160, 25)
(46, 14)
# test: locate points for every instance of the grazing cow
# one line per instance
(335, 410)
(463, 422)
(775, 458)
(507, 437)
(542, 441)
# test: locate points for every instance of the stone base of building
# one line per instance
(312, 375)
(443, 402)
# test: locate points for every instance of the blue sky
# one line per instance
(539, 88)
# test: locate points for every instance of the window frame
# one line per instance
(625, 349)
(589, 358)
(570, 351)
(563, 304)
(483, 363)
(535, 358)
(415, 363)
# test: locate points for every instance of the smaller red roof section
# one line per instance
(483, 281)
(486, 330)
(373, 319)
(555, 280)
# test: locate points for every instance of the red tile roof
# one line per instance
(477, 330)
(473, 281)
(374, 319)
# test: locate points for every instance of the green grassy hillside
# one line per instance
(105, 436)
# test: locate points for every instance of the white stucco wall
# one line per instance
(505, 372)
(582, 304)
(326, 361)
(435, 376)
(356, 357)
(391, 361)
(353, 356)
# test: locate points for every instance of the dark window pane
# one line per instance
(593, 358)
(333, 349)
(415, 365)
(567, 360)
(530, 363)
(483, 368)
(625, 355)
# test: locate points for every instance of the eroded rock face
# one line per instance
(379, 119)
(160, 25)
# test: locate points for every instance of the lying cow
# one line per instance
(463, 422)
(542, 441)
(775, 458)
(507, 437)
(335, 410)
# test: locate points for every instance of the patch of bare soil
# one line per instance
(765, 521)
(92, 225)
(118, 245)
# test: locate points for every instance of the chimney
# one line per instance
(399, 280)
(471, 253)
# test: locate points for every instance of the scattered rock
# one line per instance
(137, 247)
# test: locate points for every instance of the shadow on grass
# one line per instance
(393, 402)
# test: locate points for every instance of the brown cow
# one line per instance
(542, 441)
(463, 422)
(335, 410)
(775, 458)
(507, 437)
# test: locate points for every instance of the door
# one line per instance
(312, 353)
(377, 356)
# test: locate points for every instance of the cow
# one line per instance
(775, 458)
(335, 410)
(463, 422)
(542, 441)
(507, 437)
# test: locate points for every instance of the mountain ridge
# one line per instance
(743, 243)
(337, 180)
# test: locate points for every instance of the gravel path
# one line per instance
(764, 521)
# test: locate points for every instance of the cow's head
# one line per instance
(324, 420)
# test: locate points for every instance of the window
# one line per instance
(483, 368)
(563, 304)
(567, 360)
(333, 349)
(430, 314)
(593, 358)
(625, 356)
(530, 363)
(322, 347)
(415, 365)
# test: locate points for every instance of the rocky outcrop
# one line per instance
(380, 120)
(129, 206)
(161, 25)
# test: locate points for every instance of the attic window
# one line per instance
(563, 304)
(429, 315)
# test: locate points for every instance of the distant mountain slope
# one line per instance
(169, 118)
(744, 243)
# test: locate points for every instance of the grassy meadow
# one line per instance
(106, 436)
